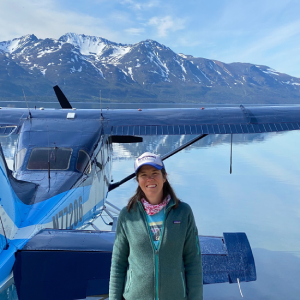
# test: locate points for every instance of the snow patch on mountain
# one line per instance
(291, 83)
(267, 70)
(51, 50)
(212, 67)
(239, 82)
(130, 72)
(9, 46)
(182, 68)
(120, 51)
(186, 56)
(182, 55)
(95, 46)
(271, 71)
(205, 76)
(97, 69)
(227, 71)
(199, 81)
(18, 43)
(73, 69)
(162, 66)
(87, 45)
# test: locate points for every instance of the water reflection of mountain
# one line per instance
(167, 143)
(159, 144)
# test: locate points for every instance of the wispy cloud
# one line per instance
(276, 47)
(44, 19)
(166, 24)
(135, 31)
(275, 38)
(140, 5)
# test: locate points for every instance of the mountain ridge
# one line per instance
(146, 71)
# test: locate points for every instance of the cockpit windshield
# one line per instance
(59, 158)
(83, 162)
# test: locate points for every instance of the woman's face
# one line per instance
(151, 181)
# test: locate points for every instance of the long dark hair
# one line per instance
(139, 194)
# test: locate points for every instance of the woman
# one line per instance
(156, 253)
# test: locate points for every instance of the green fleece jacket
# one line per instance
(173, 272)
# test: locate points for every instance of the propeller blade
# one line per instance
(63, 101)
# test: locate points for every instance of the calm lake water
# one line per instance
(261, 198)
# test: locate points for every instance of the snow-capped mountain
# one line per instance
(146, 71)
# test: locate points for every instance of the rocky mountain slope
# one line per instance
(147, 71)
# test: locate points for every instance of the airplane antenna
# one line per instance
(238, 281)
(27, 104)
(101, 106)
(48, 160)
(231, 155)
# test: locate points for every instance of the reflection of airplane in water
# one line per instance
(61, 179)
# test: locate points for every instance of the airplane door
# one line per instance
(101, 178)
(94, 191)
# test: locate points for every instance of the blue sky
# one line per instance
(265, 32)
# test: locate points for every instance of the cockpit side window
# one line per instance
(83, 162)
(19, 158)
(59, 158)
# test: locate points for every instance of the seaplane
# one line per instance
(61, 179)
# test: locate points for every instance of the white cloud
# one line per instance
(166, 24)
(135, 31)
(140, 6)
(45, 19)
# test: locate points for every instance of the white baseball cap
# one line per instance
(148, 158)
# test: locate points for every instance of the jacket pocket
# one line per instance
(183, 284)
(128, 283)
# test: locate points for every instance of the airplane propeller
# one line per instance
(64, 102)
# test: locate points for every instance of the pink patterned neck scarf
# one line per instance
(152, 209)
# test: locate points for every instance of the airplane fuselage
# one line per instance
(66, 170)
(76, 194)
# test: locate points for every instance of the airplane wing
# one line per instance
(221, 120)
(218, 120)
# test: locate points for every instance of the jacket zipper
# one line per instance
(156, 275)
(197, 243)
(183, 283)
(154, 248)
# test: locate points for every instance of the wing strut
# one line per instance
(192, 141)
